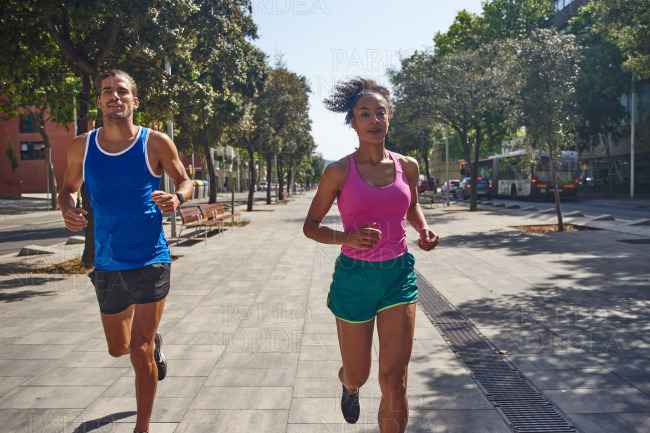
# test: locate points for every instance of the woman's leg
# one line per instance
(355, 342)
(395, 327)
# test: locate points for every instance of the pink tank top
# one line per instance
(360, 204)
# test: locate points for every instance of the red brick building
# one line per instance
(27, 143)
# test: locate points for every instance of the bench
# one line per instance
(215, 214)
(431, 198)
(191, 217)
(286, 196)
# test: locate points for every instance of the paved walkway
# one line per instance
(252, 347)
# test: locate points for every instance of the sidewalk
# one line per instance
(252, 348)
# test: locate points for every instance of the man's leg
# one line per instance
(117, 328)
(145, 323)
(133, 331)
(395, 328)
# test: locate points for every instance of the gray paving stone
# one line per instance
(35, 351)
(36, 420)
(29, 367)
(241, 377)
(49, 337)
(50, 397)
(606, 423)
(456, 421)
(65, 376)
(243, 398)
(165, 410)
(614, 400)
(233, 421)
(8, 384)
(596, 378)
(259, 360)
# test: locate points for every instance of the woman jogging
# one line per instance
(376, 192)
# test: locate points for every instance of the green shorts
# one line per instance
(361, 289)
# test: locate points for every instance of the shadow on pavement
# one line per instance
(98, 423)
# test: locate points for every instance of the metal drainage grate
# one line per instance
(524, 408)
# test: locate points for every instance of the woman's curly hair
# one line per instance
(346, 94)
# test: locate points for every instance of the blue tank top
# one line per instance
(128, 225)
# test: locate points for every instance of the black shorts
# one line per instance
(118, 290)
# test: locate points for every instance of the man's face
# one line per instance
(116, 99)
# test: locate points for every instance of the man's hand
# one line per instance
(364, 238)
(428, 239)
(166, 202)
(74, 218)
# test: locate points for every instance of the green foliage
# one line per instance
(548, 69)
(600, 83)
(500, 20)
(626, 23)
(463, 34)
(514, 19)
(11, 155)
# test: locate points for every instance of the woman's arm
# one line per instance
(329, 187)
(415, 215)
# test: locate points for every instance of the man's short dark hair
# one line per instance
(114, 73)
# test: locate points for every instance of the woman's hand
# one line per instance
(428, 239)
(364, 237)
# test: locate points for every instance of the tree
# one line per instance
(500, 20)
(35, 82)
(281, 116)
(202, 39)
(514, 19)
(463, 35)
(413, 131)
(626, 23)
(461, 90)
(548, 69)
(599, 86)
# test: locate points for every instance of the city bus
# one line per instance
(511, 175)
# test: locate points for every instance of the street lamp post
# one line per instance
(447, 160)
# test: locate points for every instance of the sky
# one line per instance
(327, 41)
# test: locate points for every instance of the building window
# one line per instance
(561, 4)
(32, 150)
(26, 124)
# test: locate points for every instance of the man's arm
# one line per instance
(72, 215)
(164, 156)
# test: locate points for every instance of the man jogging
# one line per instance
(122, 165)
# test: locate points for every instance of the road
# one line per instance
(620, 209)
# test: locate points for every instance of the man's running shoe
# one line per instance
(350, 406)
(158, 356)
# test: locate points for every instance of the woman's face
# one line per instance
(371, 118)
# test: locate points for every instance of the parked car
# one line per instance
(453, 184)
(464, 188)
(425, 185)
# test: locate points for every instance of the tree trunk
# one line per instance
(40, 120)
(474, 170)
(253, 174)
(425, 157)
(209, 161)
(269, 177)
(610, 164)
(280, 181)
